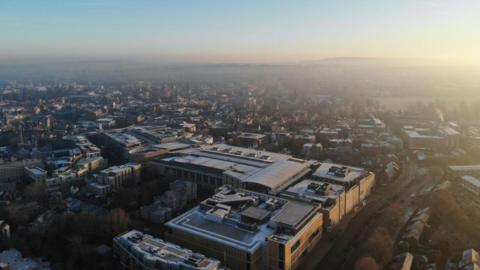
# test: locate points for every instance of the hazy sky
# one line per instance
(241, 30)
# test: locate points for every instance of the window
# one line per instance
(313, 235)
(295, 246)
(281, 252)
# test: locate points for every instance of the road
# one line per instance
(333, 253)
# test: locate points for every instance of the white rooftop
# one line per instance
(316, 191)
(272, 170)
(338, 173)
(472, 180)
(152, 249)
(243, 219)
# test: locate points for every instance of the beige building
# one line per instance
(118, 176)
(249, 230)
(331, 197)
(358, 182)
(441, 137)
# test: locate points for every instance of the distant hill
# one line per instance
(372, 61)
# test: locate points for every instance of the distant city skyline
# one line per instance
(239, 31)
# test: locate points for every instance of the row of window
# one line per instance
(198, 178)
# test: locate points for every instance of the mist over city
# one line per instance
(219, 135)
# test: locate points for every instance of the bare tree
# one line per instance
(366, 263)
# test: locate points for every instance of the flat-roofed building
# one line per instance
(472, 184)
(91, 164)
(36, 174)
(120, 143)
(467, 177)
(251, 140)
(154, 134)
(128, 141)
(326, 134)
(87, 148)
(15, 170)
(57, 181)
(136, 250)
(249, 230)
(440, 137)
(100, 189)
(331, 198)
(216, 165)
(146, 153)
(118, 176)
(358, 182)
(369, 121)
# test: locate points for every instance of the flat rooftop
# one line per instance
(315, 191)
(248, 135)
(173, 146)
(472, 180)
(117, 169)
(339, 173)
(124, 139)
(436, 132)
(37, 170)
(272, 170)
(242, 219)
(465, 168)
(154, 249)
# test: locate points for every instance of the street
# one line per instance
(336, 248)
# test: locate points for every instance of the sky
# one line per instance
(241, 31)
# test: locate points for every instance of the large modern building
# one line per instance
(146, 153)
(220, 164)
(331, 197)
(358, 182)
(120, 143)
(36, 174)
(118, 176)
(251, 140)
(441, 137)
(134, 140)
(139, 251)
(249, 230)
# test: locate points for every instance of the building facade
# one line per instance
(249, 230)
(137, 251)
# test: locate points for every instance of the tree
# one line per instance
(125, 198)
(366, 263)
(148, 190)
(118, 220)
(379, 246)
(35, 192)
(392, 218)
